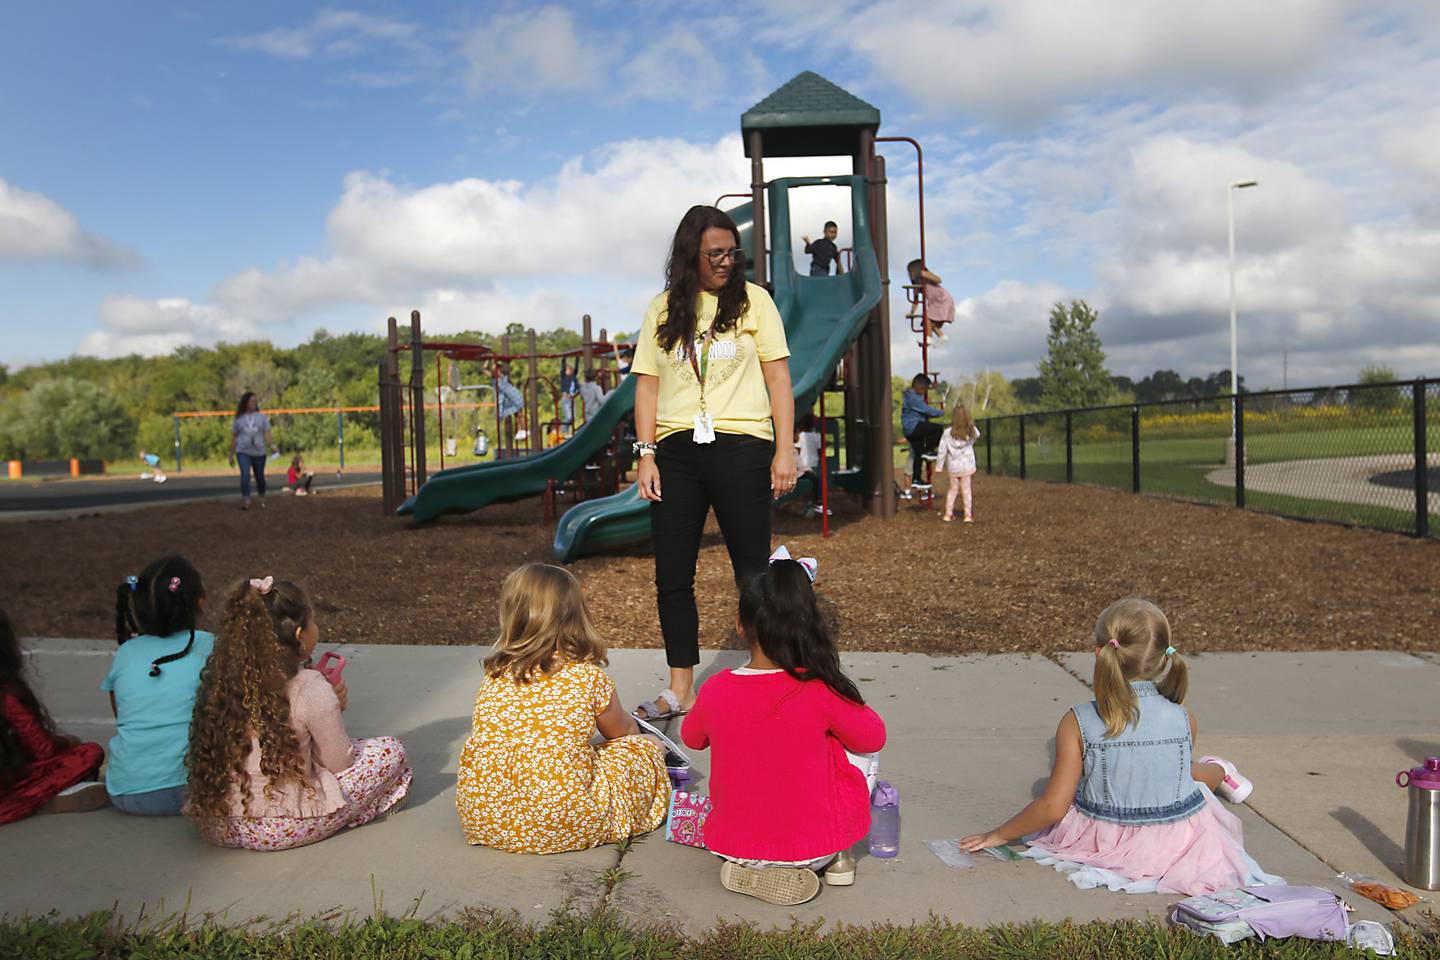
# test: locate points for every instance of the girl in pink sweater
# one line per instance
(787, 800)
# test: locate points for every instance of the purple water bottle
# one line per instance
(884, 820)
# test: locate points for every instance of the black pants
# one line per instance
(925, 438)
(733, 476)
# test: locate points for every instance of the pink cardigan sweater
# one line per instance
(780, 782)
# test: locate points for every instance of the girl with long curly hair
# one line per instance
(41, 770)
(271, 766)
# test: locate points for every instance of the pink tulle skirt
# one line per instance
(1201, 854)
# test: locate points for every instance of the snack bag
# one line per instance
(686, 823)
(1388, 896)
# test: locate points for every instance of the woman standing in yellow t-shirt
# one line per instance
(713, 393)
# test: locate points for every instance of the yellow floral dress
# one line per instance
(531, 782)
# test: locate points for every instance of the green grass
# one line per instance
(485, 935)
(1177, 466)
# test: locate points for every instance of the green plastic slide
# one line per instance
(823, 316)
(462, 489)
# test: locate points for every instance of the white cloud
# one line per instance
(684, 65)
(131, 324)
(333, 34)
(34, 227)
(534, 51)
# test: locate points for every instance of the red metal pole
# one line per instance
(920, 191)
(440, 407)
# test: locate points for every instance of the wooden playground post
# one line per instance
(392, 423)
(532, 394)
(757, 202)
(587, 348)
(417, 396)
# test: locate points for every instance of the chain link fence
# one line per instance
(1365, 454)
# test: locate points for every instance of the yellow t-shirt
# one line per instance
(735, 393)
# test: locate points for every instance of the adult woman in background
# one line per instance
(713, 393)
(250, 440)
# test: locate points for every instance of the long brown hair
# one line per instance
(682, 280)
(242, 695)
(962, 425)
(1132, 640)
(544, 624)
(15, 757)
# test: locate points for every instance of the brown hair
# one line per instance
(543, 625)
(1132, 638)
(962, 425)
(242, 695)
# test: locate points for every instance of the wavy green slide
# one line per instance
(823, 316)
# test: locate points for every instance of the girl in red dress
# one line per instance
(40, 770)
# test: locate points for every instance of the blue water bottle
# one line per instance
(884, 820)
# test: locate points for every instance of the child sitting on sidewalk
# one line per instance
(957, 458)
(529, 779)
(787, 800)
(41, 771)
(297, 478)
(152, 683)
(258, 712)
(1126, 807)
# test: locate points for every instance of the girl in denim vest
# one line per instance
(1125, 807)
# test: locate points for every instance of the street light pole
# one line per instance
(1234, 350)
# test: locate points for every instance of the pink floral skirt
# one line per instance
(1203, 853)
(377, 780)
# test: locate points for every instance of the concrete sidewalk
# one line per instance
(1321, 734)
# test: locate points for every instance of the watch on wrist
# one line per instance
(642, 448)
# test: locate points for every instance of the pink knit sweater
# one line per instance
(781, 785)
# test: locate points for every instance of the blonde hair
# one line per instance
(1132, 638)
(962, 425)
(543, 625)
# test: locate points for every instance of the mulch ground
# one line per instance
(1031, 575)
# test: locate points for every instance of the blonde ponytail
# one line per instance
(1132, 638)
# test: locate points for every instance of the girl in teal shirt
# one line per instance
(152, 684)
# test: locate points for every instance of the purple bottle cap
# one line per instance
(886, 795)
(1426, 777)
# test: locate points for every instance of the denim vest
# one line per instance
(1141, 776)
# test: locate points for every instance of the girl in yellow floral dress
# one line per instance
(530, 781)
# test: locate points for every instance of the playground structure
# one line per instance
(837, 327)
(518, 433)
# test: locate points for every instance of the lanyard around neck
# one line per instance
(702, 365)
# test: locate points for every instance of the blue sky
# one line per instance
(168, 177)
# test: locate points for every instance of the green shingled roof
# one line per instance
(809, 100)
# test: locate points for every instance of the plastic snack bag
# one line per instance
(1387, 895)
(950, 854)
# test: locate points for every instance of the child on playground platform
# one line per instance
(529, 779)
(787, 799)
(939, 304)
(1126, 807)
(260, 712)
(41, 770)
(152, 682)
(823, 252)
(957, 458)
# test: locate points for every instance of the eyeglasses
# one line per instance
(717, 257)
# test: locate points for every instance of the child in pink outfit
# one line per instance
(787, 799)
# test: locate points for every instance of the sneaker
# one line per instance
(1234, 788)
(841, 872)
(302, 493)
(782, 886)
(906, 495)
(147, 476)
(161, 478)
(81, 798)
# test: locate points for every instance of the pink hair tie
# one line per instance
(263, 585)
(1114, 643)
(174, 584)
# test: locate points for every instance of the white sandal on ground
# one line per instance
(782, 886)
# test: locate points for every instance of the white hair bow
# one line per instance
(263, 585)
(810, 564)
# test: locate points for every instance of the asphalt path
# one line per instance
(39, 495)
